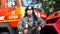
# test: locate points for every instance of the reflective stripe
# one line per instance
(2, 17)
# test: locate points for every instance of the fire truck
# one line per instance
(53, 21)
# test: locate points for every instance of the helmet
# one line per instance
(29, 8)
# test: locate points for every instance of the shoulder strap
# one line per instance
(34, 22)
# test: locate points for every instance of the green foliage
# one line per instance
(51, 6)
(57, 5)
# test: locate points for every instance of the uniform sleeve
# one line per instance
(19, 26)
(41, 22)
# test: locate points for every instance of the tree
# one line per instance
(51, 6)
(57, 5)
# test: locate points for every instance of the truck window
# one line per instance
(11, 3)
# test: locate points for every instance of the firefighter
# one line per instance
(30, 23)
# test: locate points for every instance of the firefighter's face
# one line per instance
(29, 12)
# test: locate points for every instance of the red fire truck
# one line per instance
(53, 20)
